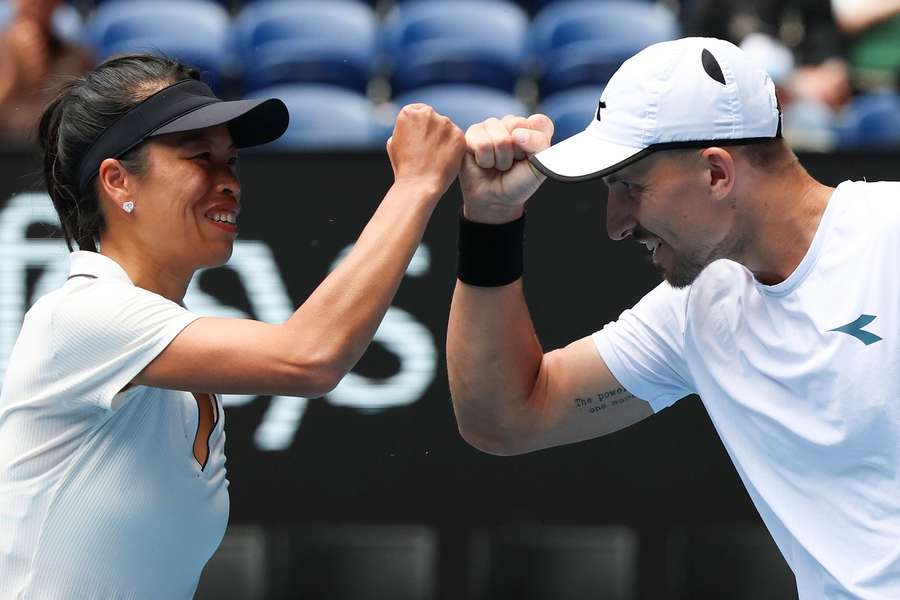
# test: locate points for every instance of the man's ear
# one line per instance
(115, 181)
(719, 164)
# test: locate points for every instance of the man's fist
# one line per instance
(496, 177)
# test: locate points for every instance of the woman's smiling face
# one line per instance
(187, 200)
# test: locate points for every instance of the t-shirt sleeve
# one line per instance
(644, 348)
(105, 333)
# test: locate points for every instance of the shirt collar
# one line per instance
(95, 265)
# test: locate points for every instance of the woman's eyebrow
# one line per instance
(191, 137)
(187, 137)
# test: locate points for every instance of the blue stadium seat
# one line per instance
(326, 117)
(67, 23)
(871, 121)
(317, 41)
(242, 3)
(465, 104)
(537, 5)
(193, 32)
(571, 110)
(455, 41)
(584, 42)
(225, 3)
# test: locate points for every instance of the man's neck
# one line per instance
(782, 224)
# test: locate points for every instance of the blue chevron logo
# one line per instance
(856, 330)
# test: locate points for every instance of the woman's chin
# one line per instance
(216, 257)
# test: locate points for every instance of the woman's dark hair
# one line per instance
(71, 123)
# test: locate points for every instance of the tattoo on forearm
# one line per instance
(601, 402)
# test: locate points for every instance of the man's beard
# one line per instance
(686, 267)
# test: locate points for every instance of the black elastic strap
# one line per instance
(81, 275)
(491, 255)
(133, 127)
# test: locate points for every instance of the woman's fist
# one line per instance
(426, 148)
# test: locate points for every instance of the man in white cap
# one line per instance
(781, 305)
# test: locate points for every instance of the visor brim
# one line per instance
(251, 122)
(583, 157)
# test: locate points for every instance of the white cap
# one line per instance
(687, 93)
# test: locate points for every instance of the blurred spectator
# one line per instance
(807, 27)
(34, 63)
(855, 16)
(796, 41)
(802, 48)
(827, 83)
(874, 52)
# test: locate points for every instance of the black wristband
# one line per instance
(490, 255)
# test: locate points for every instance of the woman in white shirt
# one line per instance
(112, 465)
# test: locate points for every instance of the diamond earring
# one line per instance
(128, 206)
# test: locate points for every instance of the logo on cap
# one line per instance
(602, 104)
(712, 67)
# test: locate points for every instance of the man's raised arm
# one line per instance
(509, 396)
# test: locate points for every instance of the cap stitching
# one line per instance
(733, 98)
(651, 134)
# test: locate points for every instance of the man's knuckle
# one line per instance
(504, 142)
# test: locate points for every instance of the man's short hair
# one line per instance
(768, 155)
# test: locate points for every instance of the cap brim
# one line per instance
(583, 157)
(251, 122)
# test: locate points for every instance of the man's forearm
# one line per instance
(493, 359)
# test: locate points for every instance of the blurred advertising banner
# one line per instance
(383, 445)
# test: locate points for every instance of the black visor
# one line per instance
(185, 106)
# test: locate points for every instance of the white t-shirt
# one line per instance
(802, 382)
(100, 493)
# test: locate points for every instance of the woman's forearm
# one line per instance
(344, 312)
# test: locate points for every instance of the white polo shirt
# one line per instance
(100, 493)
(802, 382)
